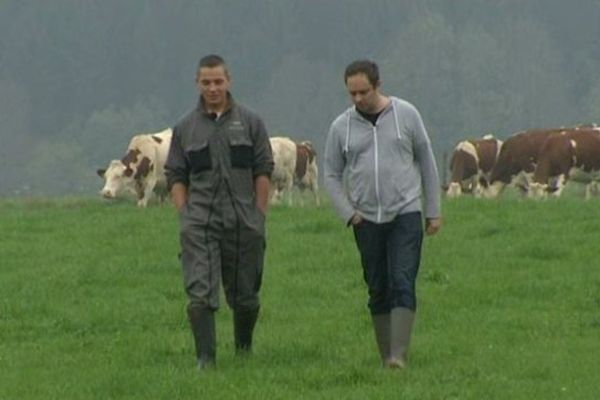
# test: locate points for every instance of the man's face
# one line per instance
(363, 94)
(213, 84)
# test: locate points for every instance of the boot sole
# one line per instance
(395, 364)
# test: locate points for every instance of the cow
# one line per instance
(517, 160)
(567, 155)
(141, 170)
(307, 172)
(295, 165)
(471, 165)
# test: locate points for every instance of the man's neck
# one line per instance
(216, 109)
(382, 103)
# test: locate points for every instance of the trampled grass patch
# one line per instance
(92, 306)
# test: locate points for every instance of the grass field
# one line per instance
(92, 307)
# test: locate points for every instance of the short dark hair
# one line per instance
(367, 67)
(211, 61)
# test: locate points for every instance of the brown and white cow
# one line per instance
(471, 165)
(295, 165)
(517, 160)
(141, 170)
(568, 155)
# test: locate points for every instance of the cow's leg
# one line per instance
(476, 188)
(594, 191)
(145, 192)
(289, 186)
(279, 190)
(560, 183)
(315, 189)
(522, 182)
(590, 188)
(454, 190)
(493, 190)
(301, 188)
(140, 191)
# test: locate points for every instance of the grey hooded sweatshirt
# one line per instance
(381, 170)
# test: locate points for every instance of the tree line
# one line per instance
(78, 79)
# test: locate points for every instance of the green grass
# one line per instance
(92, 307)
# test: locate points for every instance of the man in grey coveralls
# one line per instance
(218, 172)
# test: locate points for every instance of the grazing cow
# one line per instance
(284, 158)
(517, 160)
(571, 154)
(307, 171)
(471, 165)
(295, 164)
(141, 170)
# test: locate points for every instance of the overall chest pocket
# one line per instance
(198, 157)
(241, 152)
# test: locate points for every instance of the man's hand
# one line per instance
(432, 225)
(356, 219)
(179, 195)
(261, 189)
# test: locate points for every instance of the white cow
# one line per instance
(295, 164)
(471, 165)
(141, 170)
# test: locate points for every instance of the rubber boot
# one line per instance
(401, 321)
(202, 322)
(243, 327)
(381, 325)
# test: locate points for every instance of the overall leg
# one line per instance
(243, 257)
(371, 242)
(200, 259)
(404, 253)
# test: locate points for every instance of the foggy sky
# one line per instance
(78, 79)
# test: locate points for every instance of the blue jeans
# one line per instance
(390, 255)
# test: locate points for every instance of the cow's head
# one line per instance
(117, 178)
(537, 190)
(493, 190)
(454, 190)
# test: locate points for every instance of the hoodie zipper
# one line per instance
(376, 155)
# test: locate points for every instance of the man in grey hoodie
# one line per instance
(382, 177)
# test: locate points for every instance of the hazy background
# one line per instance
(78, 78)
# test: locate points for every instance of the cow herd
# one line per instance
(141, 171)
(538, 162)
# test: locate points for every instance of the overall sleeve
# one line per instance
(334, 175)
(429, 173)
(263, 156)
(176, 167)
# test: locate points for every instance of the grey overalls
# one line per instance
(222, 231)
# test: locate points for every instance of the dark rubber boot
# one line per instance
(243, 327)
(202, 322)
